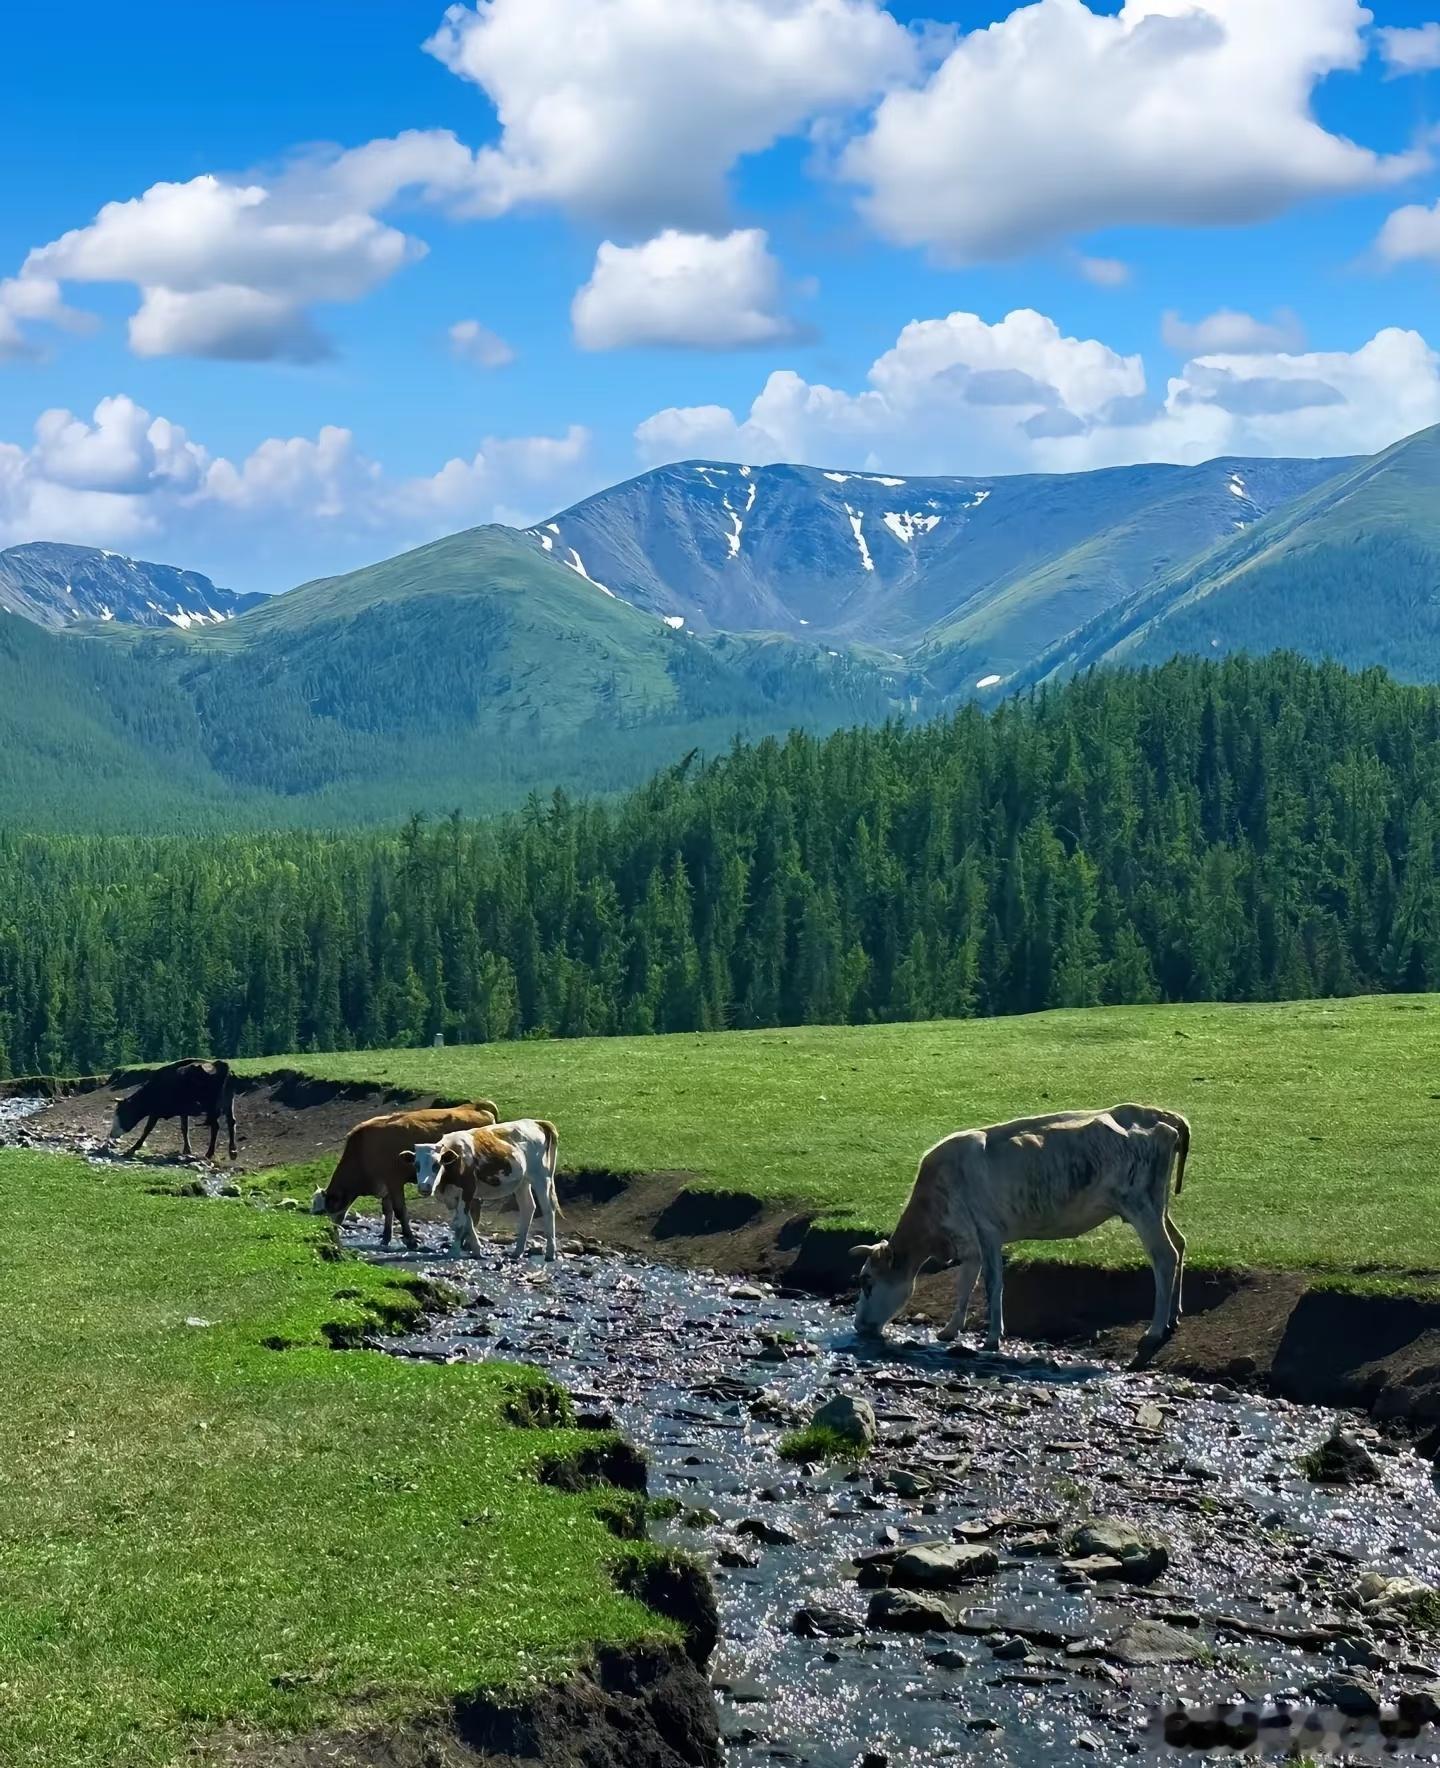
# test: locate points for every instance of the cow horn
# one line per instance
(865, 1251)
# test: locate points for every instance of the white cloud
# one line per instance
(1410, 51)
(472, 342)
(631, 113)
(1410, 235)
(1058, 120)
(32, 300)
(684, 289)
(953, 395)
(1105, 273)
(125, 477)
(226, 269)
(1233, 332)
(960, 396)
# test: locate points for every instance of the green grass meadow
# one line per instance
(1316, 1124)
(206, 1535)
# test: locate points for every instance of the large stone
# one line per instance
(943, 1567)
(852, 1419)
(1407, 1597)
(1341, 1461)
(1145, 1642)
(1141, 1556)
(905, 1611)
(1355, 1696)
(816, 1622)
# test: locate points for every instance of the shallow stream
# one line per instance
(708, 1374)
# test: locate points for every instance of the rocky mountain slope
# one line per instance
(57, 585)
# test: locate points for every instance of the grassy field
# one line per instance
(1316, 1124)
(203, 1534)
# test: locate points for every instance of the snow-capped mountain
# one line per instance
(58, 585)
(1000, 566)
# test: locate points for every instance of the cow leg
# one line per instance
(1177, 1240)
(461, 1227)
(213, 1123)
(992, 1262)
(527, 1215)
(185, 1137)
(1149, 1225)
(955, 1325)
(472, 1239)
(547, 1216)
(402, 1210)
(388, 1212)
(230, 1126)
(135, 1149)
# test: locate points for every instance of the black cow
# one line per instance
(182, 1089)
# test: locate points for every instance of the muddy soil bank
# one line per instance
(1275, 1332)
(630, 1709)
(281, 1118)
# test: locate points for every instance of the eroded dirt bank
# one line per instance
(631, 1709)
(1277, 1332)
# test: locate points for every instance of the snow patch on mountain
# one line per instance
(857, 527)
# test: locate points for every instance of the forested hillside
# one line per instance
(1205, 831)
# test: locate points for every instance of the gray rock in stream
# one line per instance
(1341, 1461)
(905, 1611)
(945, 1566)
(1145, 1642)
(848, 1417)
(823, 1623)
(1142, 1557)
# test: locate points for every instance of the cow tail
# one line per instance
(1181, 1127)
(552, 1148)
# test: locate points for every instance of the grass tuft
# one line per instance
(819, 1442)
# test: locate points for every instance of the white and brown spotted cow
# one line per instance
(471, 1167)
(1036, 1178)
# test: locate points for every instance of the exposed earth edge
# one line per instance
(636, 1708)
(1282, 1332)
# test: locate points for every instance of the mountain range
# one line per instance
(672, 612)
(56, 585)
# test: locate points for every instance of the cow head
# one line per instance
(127, 1115)
(320, 1203)
(436, 1164)
(885, 1287)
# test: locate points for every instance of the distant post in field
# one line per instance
(439, 1043)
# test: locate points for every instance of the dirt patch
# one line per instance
(281, 1119)
(632, 1709)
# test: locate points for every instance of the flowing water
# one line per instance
(707, 1375)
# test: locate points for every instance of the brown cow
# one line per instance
(371, 1165)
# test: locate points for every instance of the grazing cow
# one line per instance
(1036, 1178)
(372, 1165)
(181, 1089)
(471, 1165)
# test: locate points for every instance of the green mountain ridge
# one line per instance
(461, 675)
(1350, 571)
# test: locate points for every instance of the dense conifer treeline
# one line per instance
(1243, 830)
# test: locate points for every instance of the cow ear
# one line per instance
(407, 1157)
(450, 1157)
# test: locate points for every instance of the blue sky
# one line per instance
(760, 228)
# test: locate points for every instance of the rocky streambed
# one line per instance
(939, 1600)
